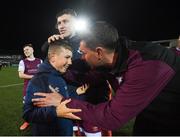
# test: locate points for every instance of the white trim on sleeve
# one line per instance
(21, 66)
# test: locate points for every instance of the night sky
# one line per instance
(33, 21)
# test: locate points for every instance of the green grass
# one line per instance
(11, 106)
(126, 130)
(10, 103)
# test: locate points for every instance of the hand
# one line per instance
(82, 89)
(49, 99)
(63, 111)
(55, 37)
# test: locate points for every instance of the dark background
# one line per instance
(33, 21)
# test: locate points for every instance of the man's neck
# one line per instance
(73, 34)
(31, 57)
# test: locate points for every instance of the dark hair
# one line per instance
(28, 45)
(101, 33)
(66, 11)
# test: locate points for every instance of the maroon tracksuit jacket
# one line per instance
(146, 81)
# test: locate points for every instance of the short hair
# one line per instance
(101, 33)
(58, 44)
(66, 11)
(28, 45)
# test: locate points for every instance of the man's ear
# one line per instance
(100, 52)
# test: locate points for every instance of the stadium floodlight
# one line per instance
(81, 25)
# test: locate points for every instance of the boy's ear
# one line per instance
(51, 57)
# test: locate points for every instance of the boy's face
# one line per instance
(62, 59)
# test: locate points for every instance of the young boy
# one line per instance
(44, 119)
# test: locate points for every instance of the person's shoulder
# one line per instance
(39, 78)
(21, 61)
(38, 59)
(75, 39)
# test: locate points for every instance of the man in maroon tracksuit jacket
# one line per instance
(144, 76)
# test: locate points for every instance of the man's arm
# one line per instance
(141, 85)
(53, 100)
(21, 69)
(24, 76)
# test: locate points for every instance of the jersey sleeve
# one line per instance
(21, 66)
